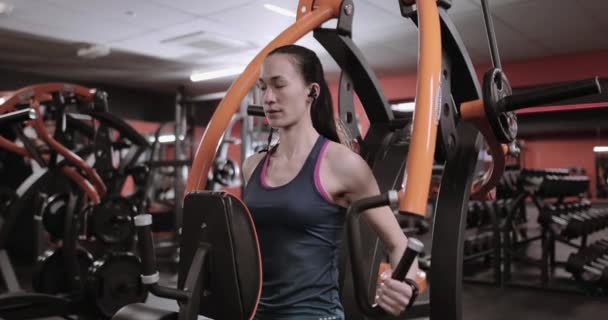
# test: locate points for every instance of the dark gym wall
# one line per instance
(127, 103)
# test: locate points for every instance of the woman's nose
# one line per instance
(269, 96)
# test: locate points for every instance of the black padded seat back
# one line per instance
(233, 275)
(384, 150)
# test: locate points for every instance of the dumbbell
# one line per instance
(590, 220)
(568, 225)
(474, 214)
(596, 253)
(600, 216)
(603, 242)
(601, 219)
(604, 216)
(469, 246)
(478, 243)
(501, 208)
(486, 212)
(579, 267)
(575, 260)
(600, 248)
(472, 245)
(571, 225)
(585, 204)
(572, 206)
(578, 225)
(487, 241)
(470, 217)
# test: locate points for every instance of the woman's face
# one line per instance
(285, 94)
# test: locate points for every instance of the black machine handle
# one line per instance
(120, 125)
(18, 116)
(150, 276)
(354, 237)
(255, 110)
(413, 249)
(551, 94)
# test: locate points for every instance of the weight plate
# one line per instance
(226, 172)
(112, 221)
(496, 87)
(52, 276)
(114, 282)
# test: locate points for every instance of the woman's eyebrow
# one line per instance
(272, 79)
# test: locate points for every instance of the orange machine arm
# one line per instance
(308, 18)
(419, 166)
(12, 147)
(72, 174)
(40, 92)
(474, 112)
(82, 183)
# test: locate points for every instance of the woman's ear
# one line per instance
(314, 91)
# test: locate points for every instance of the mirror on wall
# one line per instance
(601, 171)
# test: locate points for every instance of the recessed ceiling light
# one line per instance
(220, 73)
(404, 106)
(279, 10)
(600, 149)
(93, 51)
(6, 8)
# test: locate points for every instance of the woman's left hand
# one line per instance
(392, 295)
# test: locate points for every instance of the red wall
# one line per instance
(541, 152)
(525, 73)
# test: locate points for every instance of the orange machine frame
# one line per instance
(415, 189)
(95, 188)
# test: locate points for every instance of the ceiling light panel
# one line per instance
(255, 19)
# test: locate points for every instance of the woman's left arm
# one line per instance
(359, 182)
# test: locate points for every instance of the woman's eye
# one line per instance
(263, 88)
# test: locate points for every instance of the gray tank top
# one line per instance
(299, 228)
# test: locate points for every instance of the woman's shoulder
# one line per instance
(251, 163)
(343, 159)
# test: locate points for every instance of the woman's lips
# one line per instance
(272, 113)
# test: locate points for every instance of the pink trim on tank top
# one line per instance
(265, 170)
(318, 184)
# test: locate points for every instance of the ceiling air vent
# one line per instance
(209, 43)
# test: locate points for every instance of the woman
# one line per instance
(298, 193)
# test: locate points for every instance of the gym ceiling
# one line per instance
(158, 44)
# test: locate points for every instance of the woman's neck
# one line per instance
(296, 140)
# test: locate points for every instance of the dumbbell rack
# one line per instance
(483, 223)
(490, 219)
(561, 221)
